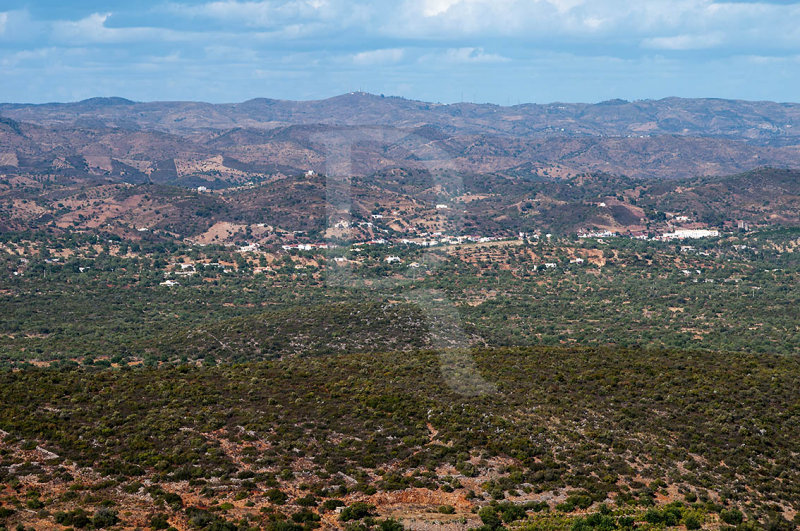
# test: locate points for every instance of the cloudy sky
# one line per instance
(500, 51)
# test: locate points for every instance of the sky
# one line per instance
(497, 51)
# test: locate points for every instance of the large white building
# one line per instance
(690, 233)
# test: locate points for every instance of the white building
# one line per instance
(690, 233)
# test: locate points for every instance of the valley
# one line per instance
(371, 313)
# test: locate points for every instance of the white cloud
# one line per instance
(432, 8)
(248, 13)
(93, 29)
(554, 24)
(44, 59)
(684, 42)
(379, 57)
(347, 40)
(472, 55)
(25, 57)
(268, 13)
(665, 24)
(17, 26)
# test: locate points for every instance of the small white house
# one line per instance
(393, 259)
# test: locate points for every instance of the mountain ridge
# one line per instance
(750, 120)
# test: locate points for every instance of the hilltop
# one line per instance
(765, 121)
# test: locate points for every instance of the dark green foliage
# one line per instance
(490, 518)
(159, 521)
(711, 405)
(104, 518)
(76, 518)
(276, 496)
(305, 516)
(640, 297)
(357, 327)
(390, 525)
(731, 516)
(356, 511)
(332, 504)
(691, 521)
(34, 503)
(307, 501)
(510, 512)
(202, 519)
(596, 521)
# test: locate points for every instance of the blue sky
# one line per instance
(500, 51)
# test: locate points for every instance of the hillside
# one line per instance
(220, 145)
(764, 195)
(633, 437)
(763, 121)
(318, 330)
(525, 198)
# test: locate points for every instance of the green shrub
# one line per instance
(731, 516)
(307, 501)
(159, 521)
(510, 512)
(276, 496)
(490, 518)
(104, 518)
(304, 516)
(332, 504)
(390, 525)
(356, 511)
(691, 521)
(34, 503)
(595, 521)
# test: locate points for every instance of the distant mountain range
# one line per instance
(513, 167)
(175, 142)
(767, 122)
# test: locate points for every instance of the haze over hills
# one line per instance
(170, 141)
(764, 121)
